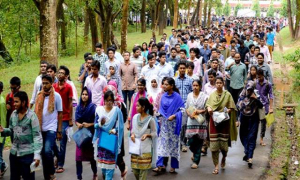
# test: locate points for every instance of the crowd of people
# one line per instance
(191, 90)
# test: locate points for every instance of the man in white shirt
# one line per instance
(164, 69)
(112, 62)
(137, 59)
(149, 70)
(38, 82)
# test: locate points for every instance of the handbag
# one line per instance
(199, 118)
(82, 136)
(262, 113)
(108, 141)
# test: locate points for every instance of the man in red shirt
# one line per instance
(66, 93)
(15, 85)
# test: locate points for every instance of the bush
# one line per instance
(294, 58)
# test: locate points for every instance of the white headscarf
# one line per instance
(153, 92)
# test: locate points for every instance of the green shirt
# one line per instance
(26, 134)
(186, 47)
(2, 114)
(238, 75)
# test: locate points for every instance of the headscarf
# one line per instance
(247, 105)
(84, 113)
(112, 86)
(39, 106)
(153, 92)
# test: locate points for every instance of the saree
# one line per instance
(168, 140)
(114, 120)
(148, 146)
(220, 136)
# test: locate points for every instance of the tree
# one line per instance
(143, 16)
(256, 8)
(219, 10)
(294, 28)
(237, 8)
(161, 17)
(188, 14)
(48, 30)
(124, 25)
(4, 53)
(61, 23)
(210, 4)
(227, 9)
(175, 20)
(271, 10)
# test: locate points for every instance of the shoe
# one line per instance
(184, 149)
(4, 171)
(194, 166)
(250, 163)
(245, 158)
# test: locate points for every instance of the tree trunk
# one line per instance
(188, 13)
(297, 24)
(93, 27)
(4, 53)
(200, 12)
(124, 25)
(161, 17)
(209, 13)
(143, 16)
(171, 7)
(195, 15)
(175, 20)
(48, 30)
(205, 12)
(61, 24)
(166, 13)
(86, 23)
(290, 18)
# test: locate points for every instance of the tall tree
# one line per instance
(93, 27)
(195, 15)
(86, 23)
(161, 17)
(227, 9)
(176, 10)
(237, 8)
(188, 13)
(4, 53)
(209, 13)
(294, 26)
(256, 8)
(48, 30)
(143, 16)
(205, 11)
(271, 10)
(200, 12)
(124, 25)
(61, 24)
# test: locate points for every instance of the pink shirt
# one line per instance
(96, 87)
(265, 51)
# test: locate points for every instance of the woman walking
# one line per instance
(196, 131)
(221, 135)
(108, 122)
(85, 116)
(144, 129)
(171, 107)
(248, 105)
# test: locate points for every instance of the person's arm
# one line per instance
(71, 106)
(34, 93)
(37, 138)
(81, 77)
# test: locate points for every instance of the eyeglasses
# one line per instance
(61, 73)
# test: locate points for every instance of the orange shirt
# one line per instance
(228, 39)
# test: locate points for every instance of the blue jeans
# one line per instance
(48, 153)
(2, 162)
(108, 174)
(20, 166)
(63, 145)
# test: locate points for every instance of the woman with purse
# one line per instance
(221, 135)
(144, 129)
(196, 131)
(108, 137)
(248, 105)
(84, 118)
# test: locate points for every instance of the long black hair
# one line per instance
(144, 102)
(171, 82)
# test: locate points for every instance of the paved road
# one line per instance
(236, 169)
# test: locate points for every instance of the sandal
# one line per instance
(262, 144)
(60, 170)
(216, 171)
(159, 169)
(194, 166)
(172, 170)
(223, 163)
(55, 164)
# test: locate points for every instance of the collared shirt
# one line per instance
(197, 67)
(165, 70)
(138, 62)
(251, 59)
(267, 72)
(266, 52)
(265, 92)
(81, 70)
(208, 89)
(221, 67)
(119, 57)
(173, 41)
(66, 92)
(102, 59)
(96, 87)
(184, 85)
(228, 39)
(36, 88)
(148, 73)
(26, 133)
(247, 43)
(49, 120)
(238, 75)
(205, 53)
(128, 73)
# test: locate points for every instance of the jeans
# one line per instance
(127, 94)
(63, 145)
(2, 162)
(20, 166)
(108, 174)
(79, 168)
(48, 153)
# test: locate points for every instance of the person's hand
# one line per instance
(210, 111)
(171, 118)
(1, 129)
(37, 162)
(58, 136)
(144, 137)
(85, 125)
(237, 124)
(253, 96)
(128, 125)
(8, 107)
(79, 126)
(132, 138)
(86, 66)
(228, 111)
(103, 120)
(71, 123)
(271, 110)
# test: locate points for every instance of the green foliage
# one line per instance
(237, 8)
(227, 9)
(294, 58)
(271, 10)
(283, 9)
(219, 10)
(256, 8)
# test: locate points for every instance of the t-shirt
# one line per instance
(50, 119)
(270, 39)
(65, 93)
